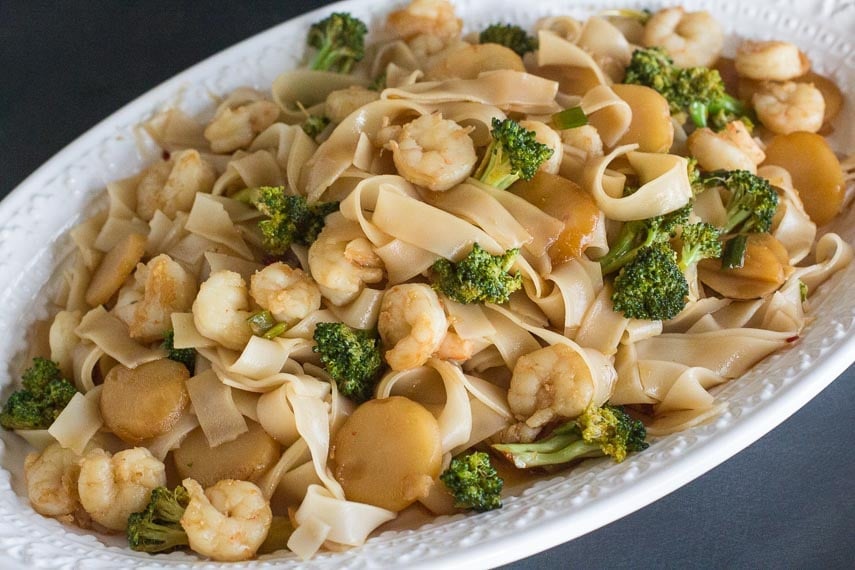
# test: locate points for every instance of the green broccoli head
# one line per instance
(697, 91)
(510, 36)
(636, 235)
(478, 278)
(340, 41)
(752, 203)
(700, 241)
(653, 68)
(290, 219)
(44, 395)
(352, 357)
(651, 286)
(613, 430)
(186, 356)
(513, 153)
(158, 527)
(597, 432)
(40, 375)
(314, 125)
(473, 482)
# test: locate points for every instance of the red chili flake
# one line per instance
(793, 338)
(165, 155)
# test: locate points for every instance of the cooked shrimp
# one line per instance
(550, 383)
(171, 186)
(228, 521)
(772, 60)
(426, 17)
(342, 267)
(692, 39)
(412, 322)
(220, 311)
(52, 481)
(583, 141)
(288, 293)
(545, 134)
(113, 487)
(784, 108)
(160, 287)
(453, 347)
(342, 102)
(731, 149)
(434, 152)
(235, 128)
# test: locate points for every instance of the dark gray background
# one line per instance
(788, 501)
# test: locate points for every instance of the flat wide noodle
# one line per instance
(79, 421)
(349, 523)
(215, 409)
(555, 50)
(729, 353)
(63, 341)
(209, 219)
(312, 416)
(506, 89)
(111, 335)
(664, 188)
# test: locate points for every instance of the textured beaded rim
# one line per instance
(545, 514)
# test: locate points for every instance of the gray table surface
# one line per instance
(787, 501)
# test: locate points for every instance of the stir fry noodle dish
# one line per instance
(425, 264)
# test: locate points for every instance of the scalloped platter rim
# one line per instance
(550, 511)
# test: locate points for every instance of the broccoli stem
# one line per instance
(575, 450)
(624, 250)
(493, 172)
(325, 58)
(735, 216)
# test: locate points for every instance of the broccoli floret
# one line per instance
(351, 357)
(697, 91)
(651, 67)
(513, 153)
(289, 218)
(340, 41)
(700, 241)
(598, 432)
(752, 203)
(510, 36)
(636, 235)
(314, 125)
(478, 278)
(44, 395)
(158, 527)
(186, 356)
(651, 286)
(473, 482)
